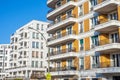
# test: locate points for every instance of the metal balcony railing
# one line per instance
(63, 51)
(106, 64)
(62, 19)
(62, 35)
(104, 42)
(67, 68)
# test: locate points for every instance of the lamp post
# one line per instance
(46, 45)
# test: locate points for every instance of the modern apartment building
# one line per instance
(29, 51)
(5, 50)
(86, 39)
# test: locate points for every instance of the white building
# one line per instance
(5, 50)
(29, 51)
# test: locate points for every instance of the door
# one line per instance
(116, 60)
(114, 37)
(69, 47)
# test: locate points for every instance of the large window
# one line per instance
(80, 10)
(33, 44)
(58, 19)
(37, 44)
(33, 35)
(32, 64)
(95, 41)
(113, 16)
(58, 49)
(114, 37)
(93, 2)
(95, 61)
(81, 27)
(58, 34)
(69, 46)
(81, 63)
(115, 60)
(70, 64)
(69, 30)
(94, 21)
(37, 35)
(36, 64)
(69, 13)
(81, 44)
(37, 26)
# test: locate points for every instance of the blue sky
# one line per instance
(16, 13)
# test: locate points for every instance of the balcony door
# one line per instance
(114, 37)
(58, 49)
(69, 45)
(58, 66)
(113, 16)
(69, 13)
(70, 64)
(94, 41)
(69, 30)
(58, 34)
(93, 2)
(115, 60)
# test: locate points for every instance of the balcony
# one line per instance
(107, 26)
(63, 54)
(61, 24)
(68, 70)
(106, 6)
(107, 67)
(107, 46)
(53, 13)
(61, 38)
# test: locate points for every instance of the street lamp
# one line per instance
(46, 45)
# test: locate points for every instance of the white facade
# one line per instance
(5, 50)
(29, 51)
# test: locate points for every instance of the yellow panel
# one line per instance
(103, 18)
(119, 32)
(104, 39)
(75, 12)
(86, 25)
(76, 63)
(86, 7)
(87, 78)
(75, 45)
(119, 13)
(105, 60)
(99, 1)
(87, 43)
(64, 63)
(75, 28)
(87, 62)
(63, 16)
(63, 48)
